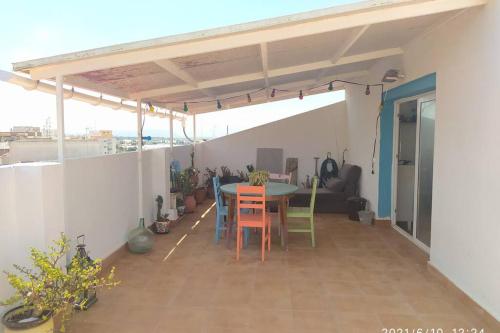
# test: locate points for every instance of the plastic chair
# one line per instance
(278, 176)
(254, 198)
(281, 177)
(221, 214)
(305, 212)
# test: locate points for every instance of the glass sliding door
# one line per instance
(406, 148)
(427, 116)
(413, 168)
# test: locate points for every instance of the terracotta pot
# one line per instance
(39, 325)
(200, 194)
(195, 179)
(189, 203)
(210, 192)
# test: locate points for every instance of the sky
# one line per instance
(32, 29)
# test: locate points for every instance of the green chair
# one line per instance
(304, 212)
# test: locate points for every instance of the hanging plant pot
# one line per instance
(189, 203)
(19, 320)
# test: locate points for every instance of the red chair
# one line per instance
(252, 199)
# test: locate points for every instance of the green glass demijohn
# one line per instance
(140, 239)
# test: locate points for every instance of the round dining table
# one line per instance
(278, 192)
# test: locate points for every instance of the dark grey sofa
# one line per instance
(328, 201)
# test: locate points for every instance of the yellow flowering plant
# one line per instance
(49, 289)
(258, 178)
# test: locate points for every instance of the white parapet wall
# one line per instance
(304, 136)
(95, 196)
(31, 150)
(31, 213)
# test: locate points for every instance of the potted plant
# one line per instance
(242, 176)
(258, 178)
(193, 175)
(162, 223)
(209, 181)
(180, 206)
(188, 192)
(227, 176)
(200, 194)
(50, 290)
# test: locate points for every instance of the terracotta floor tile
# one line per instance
(432, 305)
(400, 321)
(229, 317)
(313, 321)
(232, 297)
(182, 319)
(350, 304)
(357, 279)
(389, 305)
(193, 297)
(357, 323)
(271, 321)
(271, 296)
(306, 300)
(342, 288)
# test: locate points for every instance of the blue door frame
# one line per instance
(413, 88)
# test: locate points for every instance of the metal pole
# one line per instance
(139, 157)
(171, 120)
(60, 118)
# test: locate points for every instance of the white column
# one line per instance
(60, 118)
(171, 121)
(171, 155)
(139, 157)
(194, 127)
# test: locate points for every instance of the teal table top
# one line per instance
(272, 188)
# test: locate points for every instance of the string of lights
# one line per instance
(300, 92)
(219, 101)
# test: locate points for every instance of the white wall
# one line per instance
(46, 150)
(95, 196)
(362, 114)
(102, 195)
(30, 213)
(464, 54)
(183, 155)
(465, 224)
(304, 136)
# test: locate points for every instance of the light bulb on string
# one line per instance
(249, 98)
(330, 86)
(301, 96)
(273, 93)
(219, 106)
(367, 91)
(186, 107)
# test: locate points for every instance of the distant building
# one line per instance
(108, 134)
(28, 131)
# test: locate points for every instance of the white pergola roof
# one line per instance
(287, 53)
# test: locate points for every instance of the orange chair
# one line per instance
(252, 198)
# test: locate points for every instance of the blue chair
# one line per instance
(222, 213)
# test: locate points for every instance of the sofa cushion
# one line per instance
(335, 184)
(350, 173)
